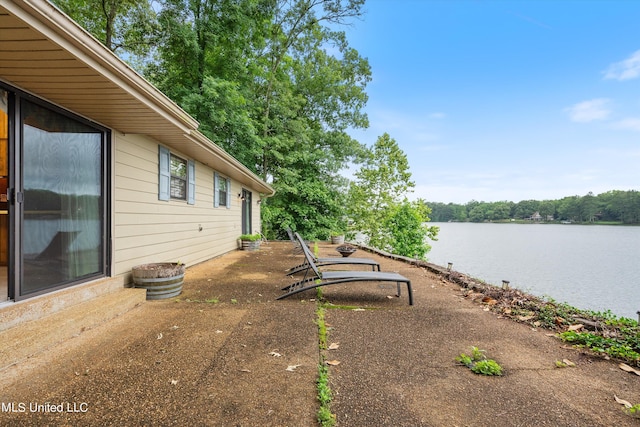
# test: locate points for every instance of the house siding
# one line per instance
(146, 229)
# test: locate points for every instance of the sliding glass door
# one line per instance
(63, 199)
(56, 197)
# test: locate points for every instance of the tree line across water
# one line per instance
(616, 206)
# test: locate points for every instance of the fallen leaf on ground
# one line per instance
(159, 336)
(576, 327)
(275, 354)
(218, 331)
(358, 309)
(622, 402)
(568, 362)
(489, 301)
(173, 382)
(628, 368)
(292, 368)
(332, 362)
(334, 346)
(174, 327)
(525, 318)
(244, 370)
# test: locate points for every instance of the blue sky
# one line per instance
(506, 100)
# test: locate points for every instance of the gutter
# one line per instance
(199, 139)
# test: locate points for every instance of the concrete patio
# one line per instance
(225, 353)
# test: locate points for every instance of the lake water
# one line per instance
(587, 266)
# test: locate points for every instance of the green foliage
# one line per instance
(310, 203)
(619, 337)
(378, 205)
(561, 364)
(549, 312)
(407, 232)
(626, 346)
(479, 364)
(487, 367)
(325, 417)
(250, 237)
(125, 27)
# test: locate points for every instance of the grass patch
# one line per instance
(325, 417)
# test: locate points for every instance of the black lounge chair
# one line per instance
(320, 262)
(334, 277)
(296, 245)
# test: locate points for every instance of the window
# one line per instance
(176, 177)
(221, 191)
(178, 170)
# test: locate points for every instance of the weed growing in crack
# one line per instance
(479, 364)
(325, 417)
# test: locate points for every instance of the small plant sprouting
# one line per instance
(634, 411)
(479, 364)
(487, 367)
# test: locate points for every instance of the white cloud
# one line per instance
(437, 115)
(624, 70)
(628, 124)
(588, 111)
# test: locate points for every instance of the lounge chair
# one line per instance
(320, 262)
(296, 245)
(334, 277)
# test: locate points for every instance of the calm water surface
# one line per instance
(587, 266)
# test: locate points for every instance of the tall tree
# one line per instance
(298, 33)
(206, 61)
(307, 146)
(123, 26)
(378, 203)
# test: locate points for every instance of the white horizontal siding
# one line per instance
(146, 229)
